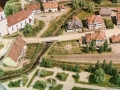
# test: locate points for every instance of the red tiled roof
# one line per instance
(61, 6)
(115, 38)
(33, 6)
(94, 18)
(48, 5)
(17, 17)
(97, 35)
(16, 48)
(1, 9)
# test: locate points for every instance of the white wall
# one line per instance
(20, 25)
(3, 27)
(51, 9)
(2, 15)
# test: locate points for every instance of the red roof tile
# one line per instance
(33, 6)
(115, 38)
(48, 5)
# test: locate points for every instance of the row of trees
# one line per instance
(46, 63)
(109, 24)
(77, 4)
(100, 70)
(103, 48)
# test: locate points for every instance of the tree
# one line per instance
(24, 79)
(98, 1)
(99, 75)
(105, 45)
(115, 72)
(27, 28)
(48, 64)
(8, 10)
(75, 4)
(61, 76)
(77, 75)
(43, 63)
(82, 3)
(117, 79)
(43, 83)
(91, 7)
(87, 49)
(115, 1)
(97, 66)
(77, 69)
(70, 68)
(43, 72)
(109, 68)
(92, 46)
(110, 49)
(104, 65)
(90, 68)
(1, 73)
(11, 84)
(64, 67)
(101, 49)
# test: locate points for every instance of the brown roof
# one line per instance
(97, 35)
(118, 16)
(48, 5)
(33, 6)
(75, 18)
(16, 48)
(105, 11)
(61, 6)
(115, 38)
(17, 17)
(94, 18)
(1, 9)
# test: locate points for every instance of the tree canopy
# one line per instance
(75, 4)
(91, 7)
(27, 28)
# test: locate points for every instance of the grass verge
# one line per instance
(58, 87)
(49, 73)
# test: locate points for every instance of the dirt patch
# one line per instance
(84, 76)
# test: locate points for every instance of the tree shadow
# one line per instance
(112, 80)
(92, 79)
(113, 18)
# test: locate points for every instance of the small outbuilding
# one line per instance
(105, 12)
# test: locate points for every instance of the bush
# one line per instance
(109, 24)
(14, 84)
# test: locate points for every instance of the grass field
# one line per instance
(58, 87)
(49, 73)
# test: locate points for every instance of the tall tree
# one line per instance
(43, 72)
(75, 4)
(105, 45)
(92, 46)
(77, 69)
(27, 28)
(115, 1)
(82, 3)
(101, 49)
(104, 65)
(115, 72)
(8, 10)
(99, 75)
(97, 65)
(24, 79)
(90, 68)
(49, 64)
(43, 63)
(109, 68)
(117, 79)
(91, 7)
(77, 75)
(64, 66)
(87, 49)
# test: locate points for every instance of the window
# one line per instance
(25, 22)
(17, 26)
(21, 24)
(12, 28)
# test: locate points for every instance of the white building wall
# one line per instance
(51, 10)
(20, 25)
(2, 15)
(3, 27)
(62, 10)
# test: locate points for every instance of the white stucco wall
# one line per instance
(51, 10)
(62, 10)
(3, 27)
(14, 28)
(2, 15)
(36, 11)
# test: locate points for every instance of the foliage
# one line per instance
(87, 49)
(115, 1)
(77, 69)
(99, 1)
(92, 46)
(91, 7)
(99, 75)
(1, 46)
(90, 68)
(27, 28)
(79, 88)
(75, 4)
(77, 75)
(35, 30)
(24, 79)
(35, 74)
(43, 72)
(64, 66)
(11, 9)
(46, 63)
(1, 73)
(97, 65)
(71, 68)
(109, 24)
(58, 87)
(40, 85)
(117, 79)
(104, 65)
(62, 76)
(82, 3)
(14, 84)
(105, 45)
(101, 50)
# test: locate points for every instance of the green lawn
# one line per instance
(79, 88)
(1, 46)
(63, 79)
(31, 48)
(35, 30)
(49, 73)
(58, 87)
